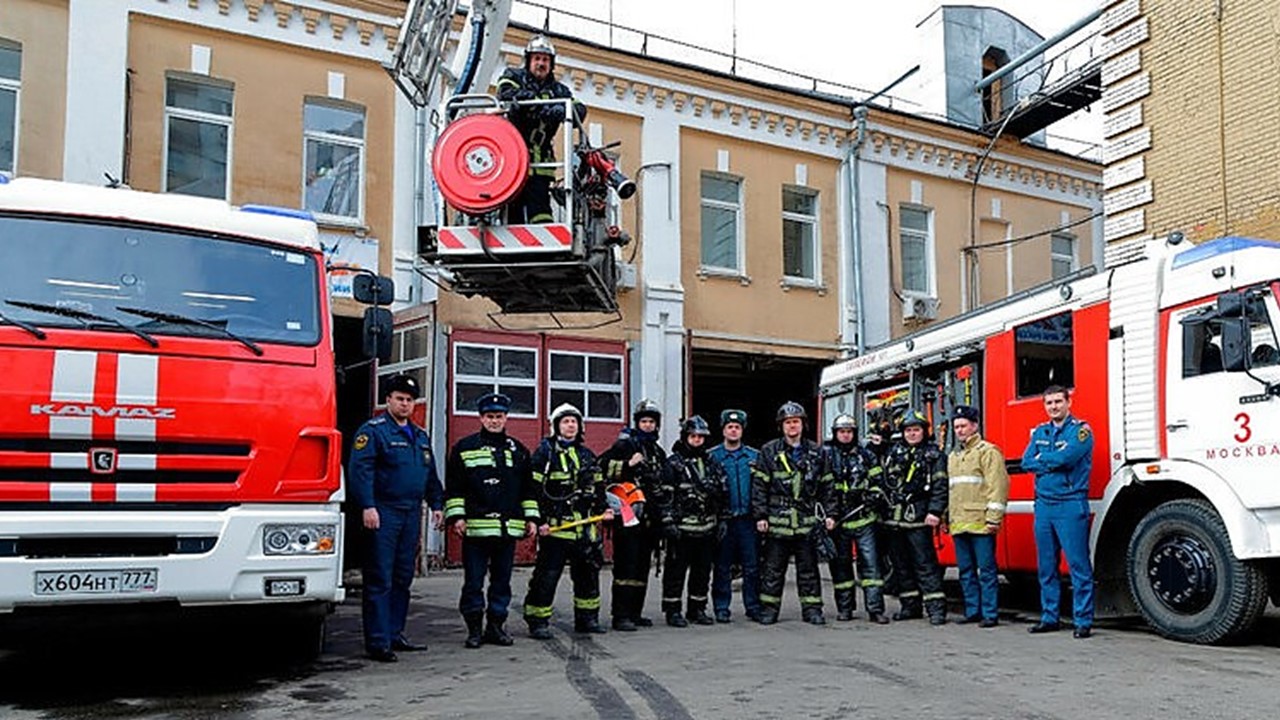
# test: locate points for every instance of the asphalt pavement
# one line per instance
(789, 670)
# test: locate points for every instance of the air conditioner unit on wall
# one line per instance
(919, 308)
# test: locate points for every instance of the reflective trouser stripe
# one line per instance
(537, 611)
(810, 600)
(698, 598)
(933, 596)
(872, 583)
(668, 600)
(772, 600)
(586, 603)
(843, 585)
(630, 583)
(908, 594)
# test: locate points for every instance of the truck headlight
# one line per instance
(299, 539)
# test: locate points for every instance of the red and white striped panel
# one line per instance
(104, 379)
(505, 239)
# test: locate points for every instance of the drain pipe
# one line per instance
(855, 225)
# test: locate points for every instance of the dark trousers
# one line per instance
(1064, 526)
(864, 538)
(692, 557)
(553, 553)
(979, 580)
(496, 557)
(533, 204)
(915, 559)
(632, 555)
(388, 571)
(741, 545)
(778, 552)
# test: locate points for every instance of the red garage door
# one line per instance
(538, 372)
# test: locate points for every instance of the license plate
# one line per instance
(95, 582)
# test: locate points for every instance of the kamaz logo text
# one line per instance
(116, 411)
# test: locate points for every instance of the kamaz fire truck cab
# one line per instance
(167, 385)
(1171, 355)
(480, 163)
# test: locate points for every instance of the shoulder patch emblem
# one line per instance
(361, 441)
(1083, 433)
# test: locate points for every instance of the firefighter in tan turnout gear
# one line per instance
(792, 484)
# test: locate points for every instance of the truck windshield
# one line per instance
(193, 285)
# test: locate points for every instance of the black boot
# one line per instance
(814, 616)
(475, 630)
(539, 629)
(846, 604)
(588, 622)
(937, 612)
(676, 619)
(767, 616)
(624, 624)
(699, 616)
(909, 609)
(494, 634)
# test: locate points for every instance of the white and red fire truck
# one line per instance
(1171, 352)
(167, 391)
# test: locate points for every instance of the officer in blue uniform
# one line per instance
(1060, 456)
(390, 472)
(739, 544)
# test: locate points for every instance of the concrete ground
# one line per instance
(742, 669)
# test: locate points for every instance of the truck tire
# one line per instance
(1185, 579)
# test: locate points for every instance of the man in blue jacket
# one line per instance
(1059, 455)
(739, 544)
(390, 472)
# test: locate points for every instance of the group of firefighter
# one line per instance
(697, 509)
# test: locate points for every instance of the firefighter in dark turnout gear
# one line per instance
(792, 483)
(915, 486)
(490, 504)
(569, 487)
(635, 457)
(691, 507)
(856, 496)
(537, 123)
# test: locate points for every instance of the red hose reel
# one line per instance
(480, 163)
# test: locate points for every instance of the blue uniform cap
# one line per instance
(402, 383)
(966, 412)
(733, 416)
(493, 402)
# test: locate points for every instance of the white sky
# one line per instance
(862, 43)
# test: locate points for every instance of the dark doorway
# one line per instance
(353, 409)
(756, 383)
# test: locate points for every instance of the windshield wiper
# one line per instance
(84, 316)
(24, 325)
(187, 320)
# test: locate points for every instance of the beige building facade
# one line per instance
(1191, 96)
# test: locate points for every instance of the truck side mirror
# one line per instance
(373, 289)
(377, 334)
(1235, 344)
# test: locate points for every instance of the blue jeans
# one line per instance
(741, 545)
(976, 561)
(495, 556)
(388, 571)
(1064, 526)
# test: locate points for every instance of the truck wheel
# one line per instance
(1185, 579)
(302, 637)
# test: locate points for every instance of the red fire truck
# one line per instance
(1172, 354)
(168, 393)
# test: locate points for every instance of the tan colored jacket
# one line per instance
(979, 487)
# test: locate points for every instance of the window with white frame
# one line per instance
(800, 234)
(333, 157)
(591, 383)
(1062, 252)
(482, 369)
(721, 222)
(410, 354)
(915, 236)
(198, 124)
(10, 87)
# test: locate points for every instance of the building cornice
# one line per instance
(374, 24)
